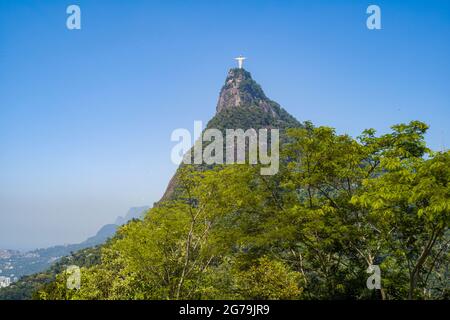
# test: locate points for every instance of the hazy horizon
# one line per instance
(89, 231)
(86, 115)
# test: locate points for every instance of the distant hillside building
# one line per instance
(5, 282)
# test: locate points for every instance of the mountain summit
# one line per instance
(241, 90)
(243, 105)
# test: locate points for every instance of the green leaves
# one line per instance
(337, 206)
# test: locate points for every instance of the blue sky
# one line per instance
(86, 115)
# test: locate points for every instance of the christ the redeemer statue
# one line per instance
(240, 61)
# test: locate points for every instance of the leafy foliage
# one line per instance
(337, 206)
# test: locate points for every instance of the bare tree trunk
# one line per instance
(186, 261)
(424, 255)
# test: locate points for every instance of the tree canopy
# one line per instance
(337, 206)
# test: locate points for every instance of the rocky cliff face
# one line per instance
(241, 90)
(243, 104)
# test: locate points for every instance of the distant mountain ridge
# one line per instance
(104, 233)
(108, 230)
(133, 213)
(24, 263)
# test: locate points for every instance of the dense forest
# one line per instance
(337, 206)
(29, 285)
